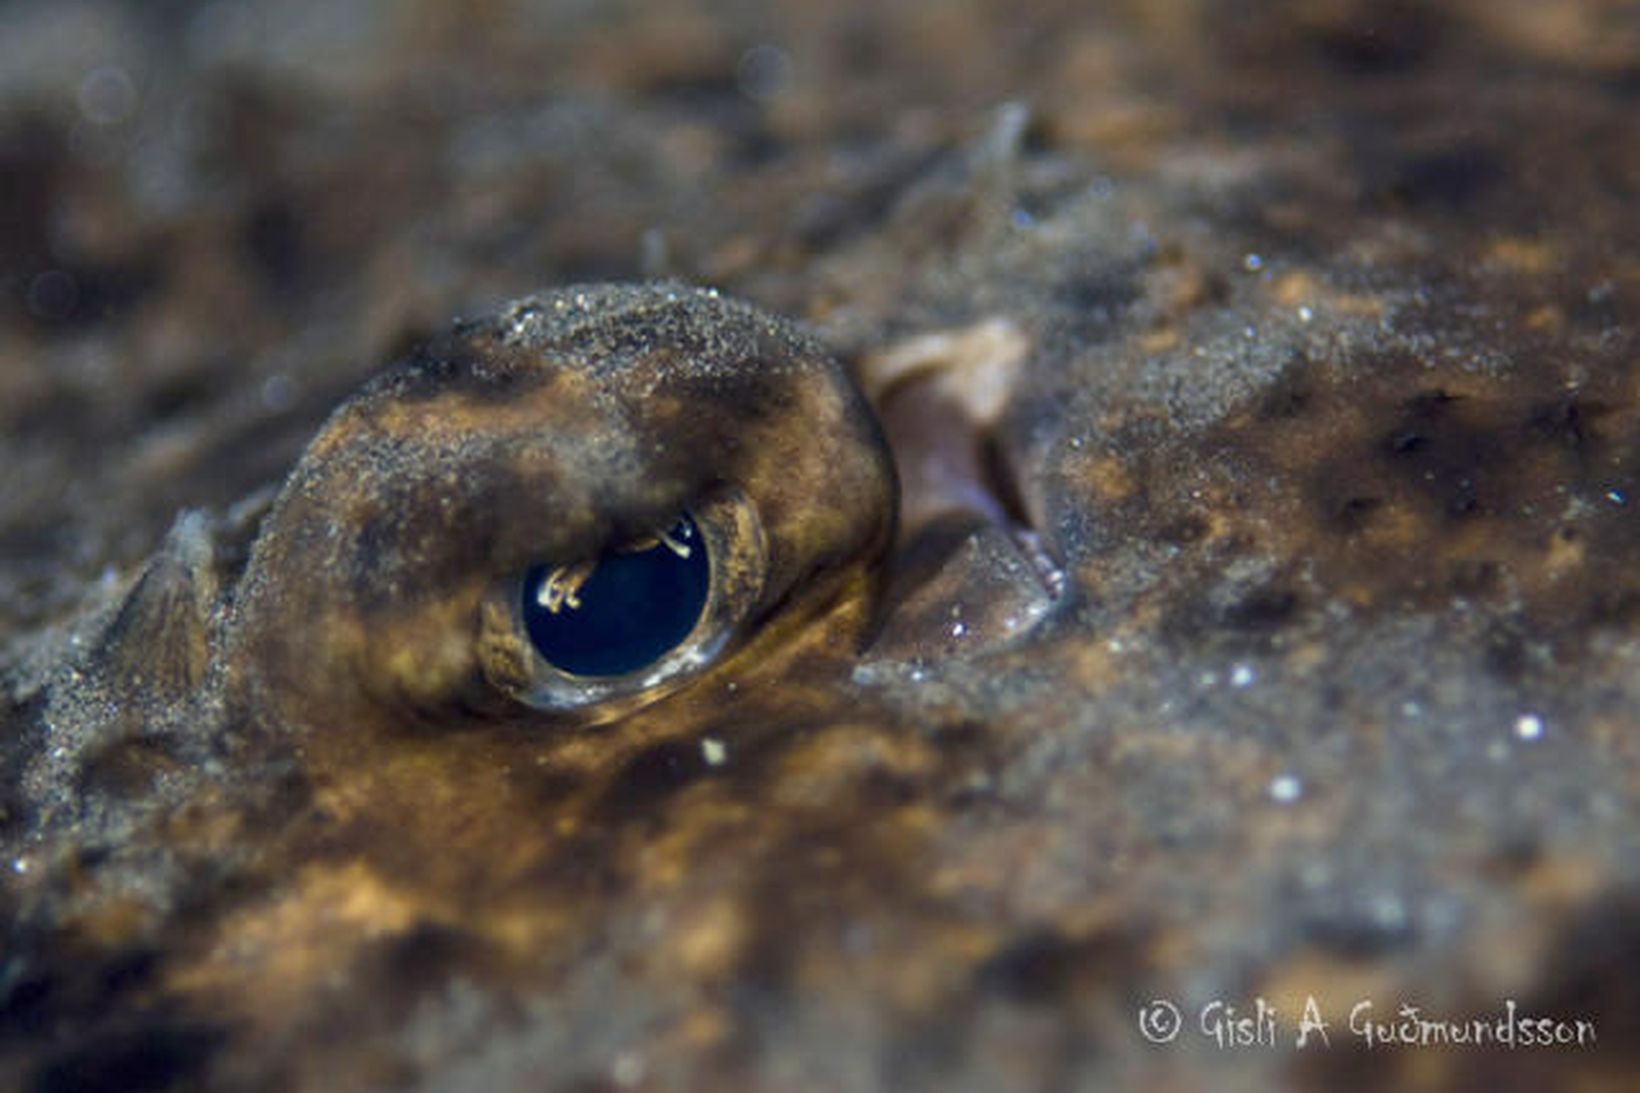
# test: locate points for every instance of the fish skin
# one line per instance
(1326, 420)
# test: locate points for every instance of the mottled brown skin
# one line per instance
(1327, 401)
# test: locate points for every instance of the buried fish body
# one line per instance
(585, 642)
(589, 632)
(1260, 615)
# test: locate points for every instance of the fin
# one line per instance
(159, 639)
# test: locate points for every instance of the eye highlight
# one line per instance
(622, 612)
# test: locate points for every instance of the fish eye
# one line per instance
(590, 638)
(622, 612)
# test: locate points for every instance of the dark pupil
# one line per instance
(634, 608)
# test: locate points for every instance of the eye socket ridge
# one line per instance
(590, 640)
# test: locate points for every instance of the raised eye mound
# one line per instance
(571, 507)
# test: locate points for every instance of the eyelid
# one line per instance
(734, 540)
